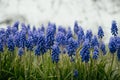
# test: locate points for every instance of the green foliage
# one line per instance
(31, 67)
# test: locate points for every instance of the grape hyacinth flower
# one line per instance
(41, 47)
(16, 25)
(42, 28)
(61, 29)
(8, 31)
(76, 27)
(68, 35)
(60, 38)
(117, 40)
(100, 32)
(55, 53)
(75, 74)
(80, 35)
(85, 53)
(94, 42)
(22, 41)
(50, 37)
(20, 51)
(10, 43)
(103, 48)
(95, 53)
(114, 29)
(72, 46)
(17, 39)
(29, 43)
(1, 46)
(112, 45)
(89, 35)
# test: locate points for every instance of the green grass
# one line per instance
(31, 67)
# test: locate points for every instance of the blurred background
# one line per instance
(89, 13)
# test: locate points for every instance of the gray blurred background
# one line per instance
(89, 13)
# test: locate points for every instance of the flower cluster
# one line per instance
(41, 40)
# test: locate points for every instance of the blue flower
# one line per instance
(41, 47)
(22, 41)
(117, 40)
(85, 53)
(80, 35)
(89, 35)
(24, 28)
(29, 43)
(112, 45)
(16, 25)
(75, 73)
(34, 29)
(94, 42)
(52, 26)
(50, 37)
(114, 29)
(37, 51)
(95, 53)
(61, 29)
(17, 39)
(60, 38)
(35, 37)
(20, 51)
(42, 28)
(100, 32)
(1, 46)
(8, 31)
(103, 48)
(76, 27)
(68, 35)
(55, 53)
(10, 43)
(72, 46)
(14, 30)
(118, 54)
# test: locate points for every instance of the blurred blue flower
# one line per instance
(95, 53)
(41, 47)
(89, 35)
(22, 41)
(117, 40)
(55, 53)
(29, 43)
(16, 25)
(114, 29)
(80, 35)
(94, 42)
(17, 39)
(85, 53)
(100, 32)
(50, 37)
(42, 28)
(1, 46)
(10, 43)
(61, 29)
(72, 46)
(103, 48)
(20, 51)
(75, 74)
(112, 45)
(68, 35)
(60, 38)
(76, 27)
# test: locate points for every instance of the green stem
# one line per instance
(0, 64)
(112, 61)
(58, 72)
